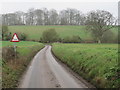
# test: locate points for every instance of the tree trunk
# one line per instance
(99, 41)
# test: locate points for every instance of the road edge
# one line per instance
(25, 71)
(67, 68)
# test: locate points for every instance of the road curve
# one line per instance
(45, 72)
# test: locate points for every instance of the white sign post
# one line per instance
(15, 39)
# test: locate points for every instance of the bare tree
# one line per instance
(79, 18)
(30, 17)
(4, 19)
(53, 17)
(71, 16)
(38, 17)
(64, 17)
(20, 16)
(98, 22)
(45, 16)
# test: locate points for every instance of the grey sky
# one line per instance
(9, 7)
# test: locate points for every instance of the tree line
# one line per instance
(44, 17)
(98, 22)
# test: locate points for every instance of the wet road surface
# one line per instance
(45, 72)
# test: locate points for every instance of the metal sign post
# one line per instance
(15, 39)
(15, 50)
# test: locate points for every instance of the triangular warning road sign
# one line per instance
(15, 38)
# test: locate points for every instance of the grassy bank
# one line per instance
(97, 63)
(13, 69)
(35, 32)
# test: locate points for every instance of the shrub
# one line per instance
(108, 37)
(8, 36)
(22, 36)
(76, 39)
(8, 53)
(66, 39)
(116, 40)
(73, 39)
(49, 36)
(4, 31)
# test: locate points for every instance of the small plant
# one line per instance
(8, 53)
(114, 76)
(22, 36)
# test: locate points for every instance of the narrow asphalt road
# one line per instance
(45, 72)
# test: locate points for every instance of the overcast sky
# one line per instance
(84, 5)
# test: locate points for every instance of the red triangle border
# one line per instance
(13, 36)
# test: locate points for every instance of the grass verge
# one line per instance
(97, 63)
(12, 69)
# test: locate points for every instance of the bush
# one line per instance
(8, 53)
(73, 39)
(66, 39)
(116, 40)
(4, 31)
(49, 36)
(76, 39)
(108, 37)
(8, 36)
(22, 36)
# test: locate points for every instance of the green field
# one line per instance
(23, 47)
(95, 62)
(35, 32)
(13, 69)
(19, 44)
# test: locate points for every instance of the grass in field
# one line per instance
(19, 44)
(35, 32)
(23, 47)
(13, 69)
(95, 62)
